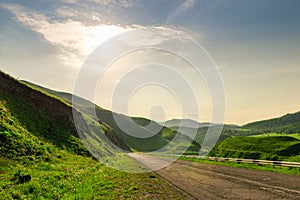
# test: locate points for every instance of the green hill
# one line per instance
(166, 134)
(262, 147)
(275, 139)
(163, 140)
(33, 123)
(39, 141)
(184, 123)
(289, 123)
(34, 114)
(198, 130)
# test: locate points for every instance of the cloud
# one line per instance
(74, 39)
(154, 36)
(69, 1)
(87, 18)
(119, 3)
(188, 4)
(77, 38)
(76, 35)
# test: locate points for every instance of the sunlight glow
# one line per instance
(96, 35)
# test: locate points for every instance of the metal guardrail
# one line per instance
(252, 161)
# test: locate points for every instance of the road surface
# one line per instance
(204, 181)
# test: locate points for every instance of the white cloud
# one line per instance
(87, 18)
(181, 9)
(120, 3)
(75, 40)
(69, 1)
(187, 4)
(154, 36)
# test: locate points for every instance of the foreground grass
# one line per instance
(76, 177)
(272, 168)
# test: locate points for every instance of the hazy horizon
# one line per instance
(174, 118)
(255, 46)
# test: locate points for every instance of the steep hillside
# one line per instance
(34, 123)
(41, 156)
(135, 126)
(289, 123)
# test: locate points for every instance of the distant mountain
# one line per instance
(163, 134)
(184, 123)
(152, 138)
(198, 130)
(289, 123)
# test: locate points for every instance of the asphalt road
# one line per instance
(204, 181)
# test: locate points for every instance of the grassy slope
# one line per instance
(156, 142)
(289, 123)
(25, 126)
(50, 119)
(275, 139)
(263, 147)
(38, 137)
(295, 135)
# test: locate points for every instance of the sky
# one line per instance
(255, 46)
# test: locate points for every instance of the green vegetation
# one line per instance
(42, 157)
(276, 147)
(289, 123)
(138, 126)
(162, 140)
(230, 143)
(33, 123)
(295, 135)
(38, 137)
(26, 131)
(272, 168)
(77, 177)
(274, 139)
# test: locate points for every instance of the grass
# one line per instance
(38, 138)
(265, 147)
(295, 135)
(139, 127)
(77, 177)
(272, 168)
(295, 158)
(26, 130)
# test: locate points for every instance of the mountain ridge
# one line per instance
(172, 122)
(41, 116)
(191, 128)
(162, 140)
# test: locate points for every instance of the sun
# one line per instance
(96, 35)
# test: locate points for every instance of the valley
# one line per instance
(40, 139)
